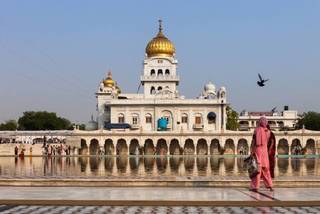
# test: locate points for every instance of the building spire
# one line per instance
(160, 25)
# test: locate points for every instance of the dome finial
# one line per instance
(160, 25)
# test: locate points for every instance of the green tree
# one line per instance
(42, 120)
(232, 119)
(310, 120)
(9, 125)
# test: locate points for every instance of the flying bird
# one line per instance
(261, 81)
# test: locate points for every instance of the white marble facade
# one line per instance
(161, 98)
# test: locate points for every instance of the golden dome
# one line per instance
(160, 45)
(109, 82)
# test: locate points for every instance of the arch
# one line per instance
(283, 147)
(148, 147)
(122, 148)
(167, 72)
(189, 148)
(122, 163)
(121, 118)
(148, 164)
(160, 72)
(310, 148)
(94, 147)
(229, 164)
(160, 88)
(161, 163)
(202, 165)
(94, 164)
(175, 164)
(152, 72)
(283, 165)
(84, 147)
(174, 148)
(108, 147)
(152, 90)
(229, 147)
(202, 147)
(134, 148)
(162, 147)
(108, 164)
(296, 148)
(242, 147)
(189, 165)
(169, 117)
(215, 148)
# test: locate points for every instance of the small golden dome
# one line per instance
(160, 45)
(109, 82)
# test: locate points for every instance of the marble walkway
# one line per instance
(158, 196)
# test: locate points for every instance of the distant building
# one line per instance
(280, 121)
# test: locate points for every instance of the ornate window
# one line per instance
(160, 72)
(153, 72)
(148, 118)
(167, 72)
(198, 119)
(159, 88)
(135, 119)
(121, 118)
(184, 118)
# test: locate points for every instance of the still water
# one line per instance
(147, 166)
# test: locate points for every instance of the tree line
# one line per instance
(43, 120)
(38, 120)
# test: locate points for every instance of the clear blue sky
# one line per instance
(54, 53)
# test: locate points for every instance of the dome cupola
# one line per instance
(160, 45)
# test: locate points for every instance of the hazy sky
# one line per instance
(54, 53)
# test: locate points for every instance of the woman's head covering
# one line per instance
(263, 122)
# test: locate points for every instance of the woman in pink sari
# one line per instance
(260, 150)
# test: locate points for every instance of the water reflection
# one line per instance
(147, 166)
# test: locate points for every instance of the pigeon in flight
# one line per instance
(261, 81)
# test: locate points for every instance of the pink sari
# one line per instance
(260, 150)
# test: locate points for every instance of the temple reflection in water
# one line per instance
(148, 166)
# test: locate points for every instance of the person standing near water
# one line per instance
(271, 151)
(260, 151)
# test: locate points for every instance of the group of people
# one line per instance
(263, 148)
(56, 149)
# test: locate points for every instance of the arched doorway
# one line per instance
(189, 147)
(296, 148)
(84, 147)
(108, 147)
(149, 147)
(229, 147)
(202, 147)
(310, 148)
(174, 147)
(122, 148)
(134, 148)
(94, 147)
(215, 147)
(242, 147)
(283, 147)
(162, 147)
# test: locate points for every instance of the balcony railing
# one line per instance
(160, 78)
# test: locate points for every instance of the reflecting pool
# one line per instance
(147, 166)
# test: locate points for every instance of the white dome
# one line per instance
(210, 88)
